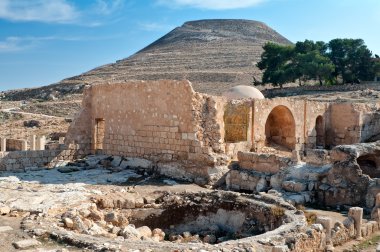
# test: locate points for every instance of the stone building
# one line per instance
(193, 135)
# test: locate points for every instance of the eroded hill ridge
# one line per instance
(213, 54)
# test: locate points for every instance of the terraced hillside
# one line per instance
(213, 54)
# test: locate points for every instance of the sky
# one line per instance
(45, 41)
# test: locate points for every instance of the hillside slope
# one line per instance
(213, 54)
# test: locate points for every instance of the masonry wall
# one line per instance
(15, 144)
(261, 111)
(163, 121)
(344, 127)
(312, 111)
(20, 161)
(370, 122)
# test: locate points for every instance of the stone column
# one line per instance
(41, 141)
(33, 142)
(24, 145)
(356, 213)
(326, 222)
(3, 144)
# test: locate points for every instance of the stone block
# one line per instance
(25, 244)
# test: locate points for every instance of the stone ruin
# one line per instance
(322, 154)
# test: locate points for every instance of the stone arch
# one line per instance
(280, 127)
(320, 131)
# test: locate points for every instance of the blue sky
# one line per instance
(44, 41)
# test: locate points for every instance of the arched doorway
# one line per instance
(320, 130)
(280, 128)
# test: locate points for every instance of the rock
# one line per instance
(39, 232)
(5, 229)
(186, 235)
(85, 213)
(112, 217)
(139, 202)
(149, 200)
(79, 225)
(130, 232)
(145, 231)
(68, 222)
(209, 239)
(96, 230)
(261, 185)
(116, 161)
(96, 215)
(317, 227)
(378, 248)
(68, 169)
(115, 230)
(136, 163)
(280, 249)
(4, 210)
(293, 186)
(24, 244)
(157, 232)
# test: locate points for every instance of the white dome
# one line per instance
(243, 92)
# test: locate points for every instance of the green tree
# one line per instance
(314, 66)
(310, 62)
(276, 61)
(352, 59)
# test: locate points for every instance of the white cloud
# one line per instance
(211, 4)
(107, 7)
(51, 11)
(155, 26)
(59, 11)
(16, 44)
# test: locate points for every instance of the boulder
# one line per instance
(4, 210)
(145, 231)
(130, 232)
(112, 217)
(5, 229)
(68, 222)
(25, 244)
(136, 163)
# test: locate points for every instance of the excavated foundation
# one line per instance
(204, 219)
(207, 217)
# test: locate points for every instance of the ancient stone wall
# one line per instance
(287, 131)
(344, 125)
(163, 121)
(268, 163)
(316, 122)
(370, 122)
(237, 121)
(15, 145)
(34, 160)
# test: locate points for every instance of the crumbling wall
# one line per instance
(163, 121)
(370, 122)
(20, 161)
(313, 110)
(79, 134)
(344, 127)
(237, 121)
(15, 145)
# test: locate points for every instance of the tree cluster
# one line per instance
(339, 61)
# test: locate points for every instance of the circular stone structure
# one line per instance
(202, 221)
(243, 92)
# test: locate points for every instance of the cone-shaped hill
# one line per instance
(213, 54)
